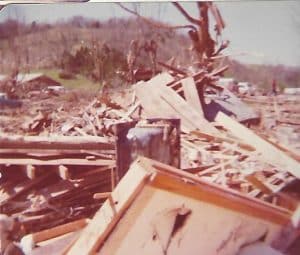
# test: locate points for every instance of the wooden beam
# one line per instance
(269, 153)
(63, 161)
(55, 142)
(56, 152)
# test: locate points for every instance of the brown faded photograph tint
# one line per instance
(150, 128)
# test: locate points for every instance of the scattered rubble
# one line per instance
(64, 188)
(52, 179)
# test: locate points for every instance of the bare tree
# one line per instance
(198, 32)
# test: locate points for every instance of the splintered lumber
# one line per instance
(31, 184)
(191, 94)
(259, 184)
(185, 112)
(55, 142)
(158, 100)
(269, 153)
(157, 197)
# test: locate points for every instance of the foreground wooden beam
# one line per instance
(269, 153)
(55, 142)
(62, 161)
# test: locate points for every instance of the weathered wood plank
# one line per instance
(187, 113)
(158, 100)
(191, 94)
(269, 153)
(55, 142)
(63, 161)
(110, 212)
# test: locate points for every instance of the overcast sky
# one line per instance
(264, 31)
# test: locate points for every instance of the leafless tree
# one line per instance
(203, 44)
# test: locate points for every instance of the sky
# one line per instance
(260, 32)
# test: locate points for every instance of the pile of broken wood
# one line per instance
(51, 181)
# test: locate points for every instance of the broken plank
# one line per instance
(187, 113)
(130, 111)
(155, 107)
(158, 100)
(31, 184)
(269, 153)
(258, 184)
(109, 213)
(191, 94)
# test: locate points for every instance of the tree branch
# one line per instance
(186, 15)
(153, 23)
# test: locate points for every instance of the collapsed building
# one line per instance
(173, 170)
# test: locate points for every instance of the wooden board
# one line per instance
(62, 161)
(110, 212)
(269, 153)
(155, 107)
(55, 142)
(160, 101)
(187, 113)
(191, 94)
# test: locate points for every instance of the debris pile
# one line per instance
(48, 181)
(60, 160)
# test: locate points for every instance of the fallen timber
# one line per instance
(82, 169)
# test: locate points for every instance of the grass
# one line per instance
(80, 83)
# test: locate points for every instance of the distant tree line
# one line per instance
(263, 75)
(77, 45)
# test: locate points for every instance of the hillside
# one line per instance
(47, 46)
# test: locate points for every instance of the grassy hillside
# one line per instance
(45, 46)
